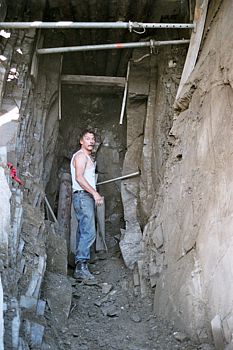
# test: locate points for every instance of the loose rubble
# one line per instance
(110, 314)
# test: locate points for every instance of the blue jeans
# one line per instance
(84, 206)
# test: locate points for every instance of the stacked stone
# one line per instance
(23, 237)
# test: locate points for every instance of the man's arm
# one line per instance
(80, 162)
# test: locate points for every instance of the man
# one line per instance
(85, 197)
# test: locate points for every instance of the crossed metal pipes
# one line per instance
(132, 26)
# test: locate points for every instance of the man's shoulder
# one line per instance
(79, 155)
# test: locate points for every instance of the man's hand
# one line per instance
(98, 199)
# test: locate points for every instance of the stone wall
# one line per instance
(14, 92)
(138, 92)
(27, 118)
(153, 82)
(187, 241)
(5, 195)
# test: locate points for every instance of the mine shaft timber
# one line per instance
(153, 79)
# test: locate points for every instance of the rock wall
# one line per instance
(20, 275)
(136, 114)
(28, 116)
(5, 195)
(188, 238)
(153, 82)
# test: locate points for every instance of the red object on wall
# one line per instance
(13, 174)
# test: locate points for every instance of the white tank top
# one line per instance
(89, 173)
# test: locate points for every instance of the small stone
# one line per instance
(136, 280)
(135, 318)
(110, 311)
(102, 343)
(180, 336)
(28, 302)
(67, 342)
(92, 313)
(37, 333)
(90, 282)
(75, 334)
(113, 292)
(76, 296)
(101, 301)
(40, 309)
(46, 346)
(64, 330)
(98, 303)
(106, 288)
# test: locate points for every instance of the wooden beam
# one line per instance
(93, 80)
(96, 90)
(59, 91)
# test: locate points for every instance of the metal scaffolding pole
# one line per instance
(151, 43)
(124, 177)
(95, 25)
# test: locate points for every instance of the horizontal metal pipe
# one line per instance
(150, 43)
(95, 25)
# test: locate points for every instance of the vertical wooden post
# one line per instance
(59, 91)
(64, 207)
(125, 94)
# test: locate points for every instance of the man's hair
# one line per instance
(86, 131)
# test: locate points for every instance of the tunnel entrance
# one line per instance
(95, 108)
(84, 100)
(119, 150)
(63, 94)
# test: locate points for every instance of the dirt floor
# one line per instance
(110, 314)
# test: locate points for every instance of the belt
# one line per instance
(79, 191)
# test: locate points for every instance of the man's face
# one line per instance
(88, 141)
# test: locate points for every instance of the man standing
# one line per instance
(85, 197)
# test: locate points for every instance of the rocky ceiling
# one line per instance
(112, 62)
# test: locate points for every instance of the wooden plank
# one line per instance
(125, 95)
(34, 64)
(195, 42)
(94, 89)
(93, 80)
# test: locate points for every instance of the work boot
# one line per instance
(82, 272)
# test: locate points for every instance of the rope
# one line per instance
(132, 26)
(139, 26)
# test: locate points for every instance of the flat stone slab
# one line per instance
(56, 253)
(57, 291)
